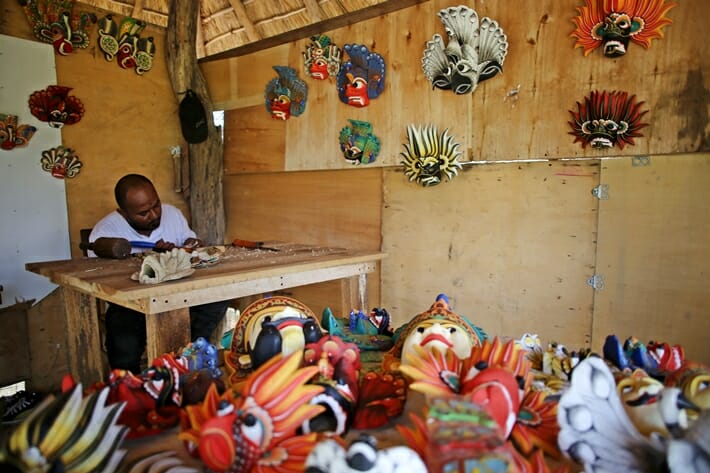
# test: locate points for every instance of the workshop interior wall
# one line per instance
(511, 241)
(515, 238)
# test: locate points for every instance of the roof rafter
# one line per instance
(244, 20)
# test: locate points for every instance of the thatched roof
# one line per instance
(235, 27)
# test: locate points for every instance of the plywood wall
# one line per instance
(521, 114)
(655, 260)
(338, 209)
(512, 246)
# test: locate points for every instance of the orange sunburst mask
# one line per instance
(614, 23)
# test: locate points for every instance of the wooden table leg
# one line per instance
(354, 294)
(167, 332)
(83, 340)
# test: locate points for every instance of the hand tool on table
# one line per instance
(107, 247)
(252, 245)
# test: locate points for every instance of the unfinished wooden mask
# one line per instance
(362, 77)
(612, 24)
(475, 51)
(286, 95)
(322, 58)
(56, 23)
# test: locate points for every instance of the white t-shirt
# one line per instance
(173, 228)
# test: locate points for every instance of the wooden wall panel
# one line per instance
(247, 127)
(655, 260)
(672, 77)
(239, 82)
(520, 114)
(332, 208)
(512, 246)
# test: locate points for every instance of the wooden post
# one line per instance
(206, 158)
(83, 331)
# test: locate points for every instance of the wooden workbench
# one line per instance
(240, 272)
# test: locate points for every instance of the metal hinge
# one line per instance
(601, 191)
(597, 282)
(637, 161)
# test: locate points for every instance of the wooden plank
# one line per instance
(14, 344)
(81, 310)
(170, 331)
(330, 208)
(239, 273)
(653, 229)
(48, 343)
(512, 247)
(243, 129)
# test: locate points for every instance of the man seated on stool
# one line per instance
(142, 217)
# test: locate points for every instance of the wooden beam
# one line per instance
(314, 10)
(137, 9)
(206, 158)
(244, 20)
(315, 28)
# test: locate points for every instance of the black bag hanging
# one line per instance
(193, 119)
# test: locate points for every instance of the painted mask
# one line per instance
(362, 78)
(271, 326)
(440, 328)
(61, 162)
(55, 22)
(612, 24)
(322, 58)
(339, 369)
(55, 106)
(362, 455)
(286, 95)
(358, 143)
(639, 394)
(475, 51)
(12, 135)
(256, 430)
(607, 119)
(430, 156)
(123, 42)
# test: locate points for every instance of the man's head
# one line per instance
(138, 202)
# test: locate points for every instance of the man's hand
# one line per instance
(162, 245)
(192, 243)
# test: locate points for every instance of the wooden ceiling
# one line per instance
(229, 28)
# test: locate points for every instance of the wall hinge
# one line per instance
(597, 282)
(637, 161)
(601, 191)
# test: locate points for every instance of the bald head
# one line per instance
(138, 203)
(128, 184)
